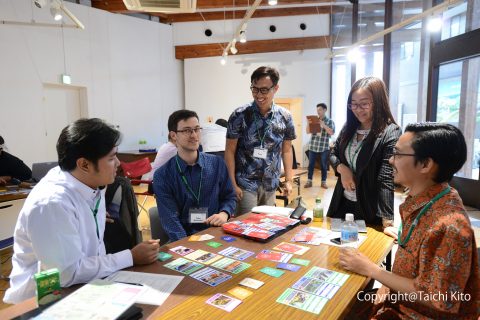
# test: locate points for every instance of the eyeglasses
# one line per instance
(256, 90)
(190, 131)
(396, 154)
(361, 105)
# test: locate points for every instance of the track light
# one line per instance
(243, 37)
(223, 61)
(55, 10)
(272, 2)
(233, 49)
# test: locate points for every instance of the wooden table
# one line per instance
(188, 299)
(132, 155)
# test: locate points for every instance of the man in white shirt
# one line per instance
(165, 153)
(62, 222)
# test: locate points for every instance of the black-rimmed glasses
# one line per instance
(361, 105)
(396, 154)
(190, 131)
(256, 90)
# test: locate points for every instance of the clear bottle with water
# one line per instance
(349, 232)
(318, 210)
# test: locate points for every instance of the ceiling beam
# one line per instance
(252, 46)
(228, 15)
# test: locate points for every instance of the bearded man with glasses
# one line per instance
(259, 137)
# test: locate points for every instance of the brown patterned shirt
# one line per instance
(441, 258)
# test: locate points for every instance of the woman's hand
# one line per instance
(346, 176)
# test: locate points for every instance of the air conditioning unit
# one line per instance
(167, 6)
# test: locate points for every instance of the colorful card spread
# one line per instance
(236, 253)
(210, 276)
(301, 262)
(163, 256)
(274, 256)
(228, 238)
(272, 272)
(223, 302)
(326, 275)
(313, 235)
(181, 250)
(183, 265)
(214, 244)
(203, 256)
(251, 283)
(292, 248)
(302, 300)
(288, 266)
(240, 293)
(231, 265)
(261, 227)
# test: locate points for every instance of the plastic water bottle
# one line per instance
(349, 231)
(318, 210)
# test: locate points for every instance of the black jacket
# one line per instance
(13, 167)
(373, 179)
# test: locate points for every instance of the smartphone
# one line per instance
(336, 241)
(297, 213)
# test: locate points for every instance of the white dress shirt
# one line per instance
(165, 153)
(56, 229)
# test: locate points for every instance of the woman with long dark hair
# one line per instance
(360, 156)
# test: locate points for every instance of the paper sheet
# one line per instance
(158, 286)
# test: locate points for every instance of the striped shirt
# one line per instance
(320, 141)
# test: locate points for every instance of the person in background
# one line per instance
(12, 169)
(222, 122)
(192, 189)
(360, 156)
(62, 222)
(165, 153)
(436, 264)
(259, 138)
(319, 146)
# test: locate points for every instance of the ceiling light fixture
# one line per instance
(272, 2)
(223, 61)
(233, 49)
(55, 10)
(434, 24)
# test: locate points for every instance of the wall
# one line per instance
(215, 90)
(126, 65)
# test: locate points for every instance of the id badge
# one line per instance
(197, 215)
(260, 153)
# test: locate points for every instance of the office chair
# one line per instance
(134, 171)
(40, 169)
(156, 228)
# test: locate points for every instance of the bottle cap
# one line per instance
(318, 200)
(349, 217)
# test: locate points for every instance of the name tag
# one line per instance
(260, 153)
(198, 215)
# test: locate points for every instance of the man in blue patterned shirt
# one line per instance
(193, 189)
(259, 136)
(319, 146)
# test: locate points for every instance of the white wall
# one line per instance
(127, 66)
(215, 90)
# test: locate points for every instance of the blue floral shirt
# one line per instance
(254, 131)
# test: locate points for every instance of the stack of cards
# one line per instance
(210, 276)
(292, 248)
(184, 266)
(236, 253)
(223, 302)
(230, 265)
(274, 256)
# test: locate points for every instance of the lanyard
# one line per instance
(95, 211)
(353, 158)
(266, 127)
(184, 179)
(401, 242)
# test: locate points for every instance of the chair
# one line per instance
(40, 169)
(134, 171)
(295, 181)
(156, 228)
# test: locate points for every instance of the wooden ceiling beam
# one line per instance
(252, 46)
(116, 6)
(219, 15)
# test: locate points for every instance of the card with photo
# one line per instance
(231, 265)
(236, 253)
(223, 302)
(181, 250)
(184, 266)
(203, 256)
(210, 276)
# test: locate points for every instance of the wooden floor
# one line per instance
(308, 195)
